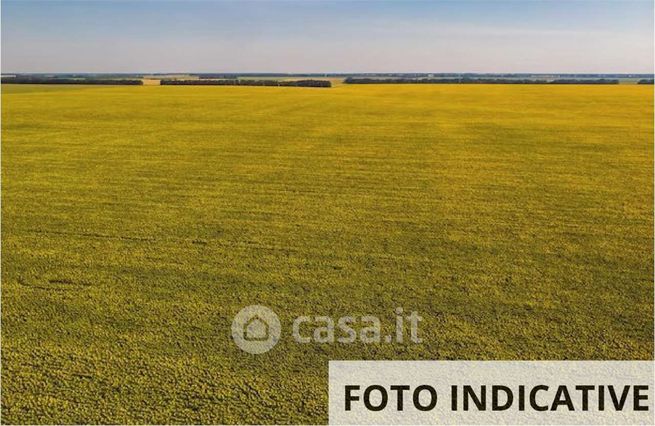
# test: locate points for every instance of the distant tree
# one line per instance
(469, 80)
(55, 80)
(585, 81)
(237, 82)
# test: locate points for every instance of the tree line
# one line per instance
(47, 80)
(235, 82)
(645, 81)
(355, 80)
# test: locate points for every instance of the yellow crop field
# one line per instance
(138, 220)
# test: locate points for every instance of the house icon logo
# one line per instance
(256, 329)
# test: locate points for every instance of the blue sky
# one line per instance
(328, 36)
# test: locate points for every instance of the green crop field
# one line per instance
(137, 221)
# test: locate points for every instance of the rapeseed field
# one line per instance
(137, 221)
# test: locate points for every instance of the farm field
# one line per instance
(138, 220)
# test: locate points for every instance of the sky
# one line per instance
(550, 36)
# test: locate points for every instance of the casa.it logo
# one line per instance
(256, 329)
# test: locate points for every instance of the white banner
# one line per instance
(491, 392)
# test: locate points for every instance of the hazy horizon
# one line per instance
(317, 73)
(538, 37)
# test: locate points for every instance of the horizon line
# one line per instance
(318, 72)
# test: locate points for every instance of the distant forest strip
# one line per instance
(538, 76)
(47, 80)
(235, 82)
(645, 81)
(351, 80)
